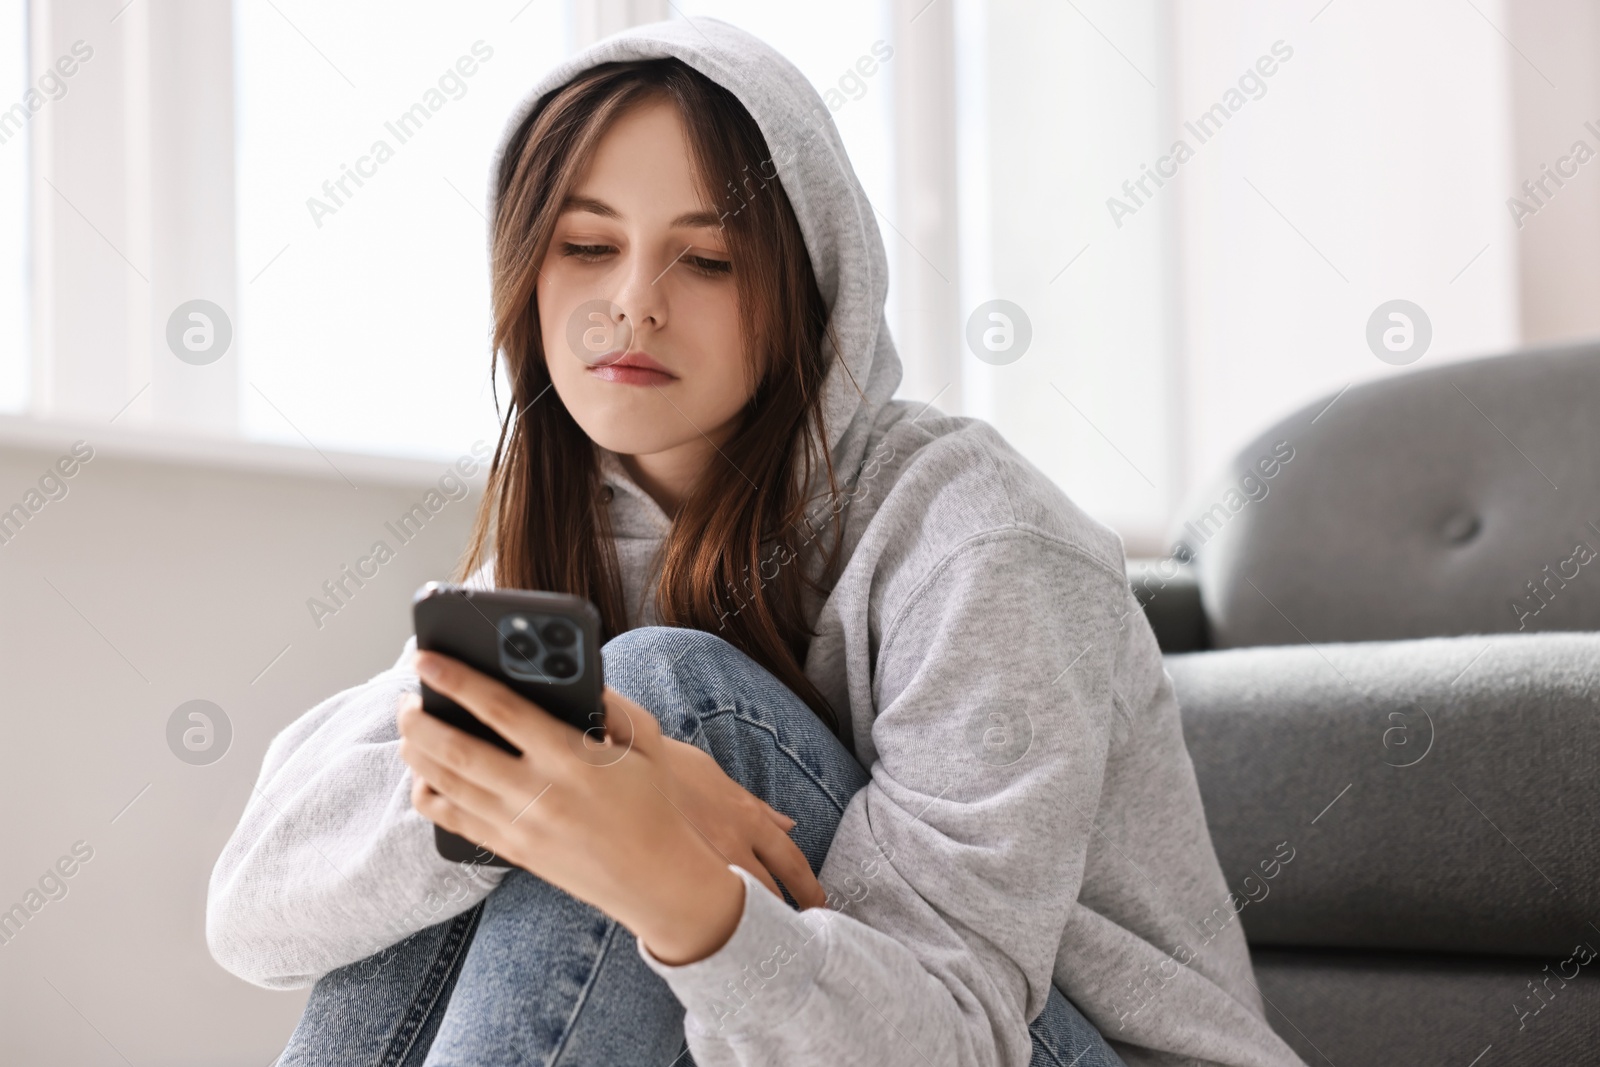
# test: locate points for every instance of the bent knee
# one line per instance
(651, 643)
(706, 692)
(676, 673)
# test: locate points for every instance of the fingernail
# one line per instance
(427, 667)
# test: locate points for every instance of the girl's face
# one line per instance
(638, 307)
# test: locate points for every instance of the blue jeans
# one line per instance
(531, 975)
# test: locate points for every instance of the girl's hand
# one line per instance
(742, 827)
(637, 825)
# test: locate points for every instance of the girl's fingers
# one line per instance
(783, 821)
(462, 791)
(627, 724)
(469, 757)
(493, 805)
(755, 867)
(783, 858)
(526, 725)
(440, 809)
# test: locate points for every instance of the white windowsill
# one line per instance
(21, 432)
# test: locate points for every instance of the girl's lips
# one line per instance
(631, 368)
(623, 374)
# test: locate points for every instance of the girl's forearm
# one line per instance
(694, 919)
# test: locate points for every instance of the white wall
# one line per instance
(172, 582)
(13, 215)
(1069, 116)
(1373, 166)
(1555, 89)
(1385, 141)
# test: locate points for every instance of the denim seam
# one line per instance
(456, 939)
(1041, 1041)
(777, 743)
(583, 994)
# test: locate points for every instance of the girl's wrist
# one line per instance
(698, 922)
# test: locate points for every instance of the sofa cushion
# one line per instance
(1169, 592)
(1364, 1008)
(1435, 794)
(1464, 498)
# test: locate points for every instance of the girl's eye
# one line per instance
(708, 265)
(585, 252)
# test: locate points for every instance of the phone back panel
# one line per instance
(507, 634)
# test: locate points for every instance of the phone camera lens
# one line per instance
(560, 665)
(522, 647)
(558, 635)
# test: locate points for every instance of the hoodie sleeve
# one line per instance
(330, 863)
(953, 871)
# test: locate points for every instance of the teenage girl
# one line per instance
(859, 651)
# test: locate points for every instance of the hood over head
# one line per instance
(835, 216)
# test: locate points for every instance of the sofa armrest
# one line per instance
(1169, 592)
(1436, 794)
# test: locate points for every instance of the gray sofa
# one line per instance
(1386, 651)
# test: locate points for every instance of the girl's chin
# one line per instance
(632, 439)
(642, 423)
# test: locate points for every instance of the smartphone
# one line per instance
(545, 646)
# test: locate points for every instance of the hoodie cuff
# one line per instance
(763, 972)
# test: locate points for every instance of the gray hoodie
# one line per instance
(1032, 815)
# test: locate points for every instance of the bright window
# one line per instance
(14, 348)
(364, 141)
(363, 278)
(1170, 320)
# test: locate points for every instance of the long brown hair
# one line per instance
(741, 552)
